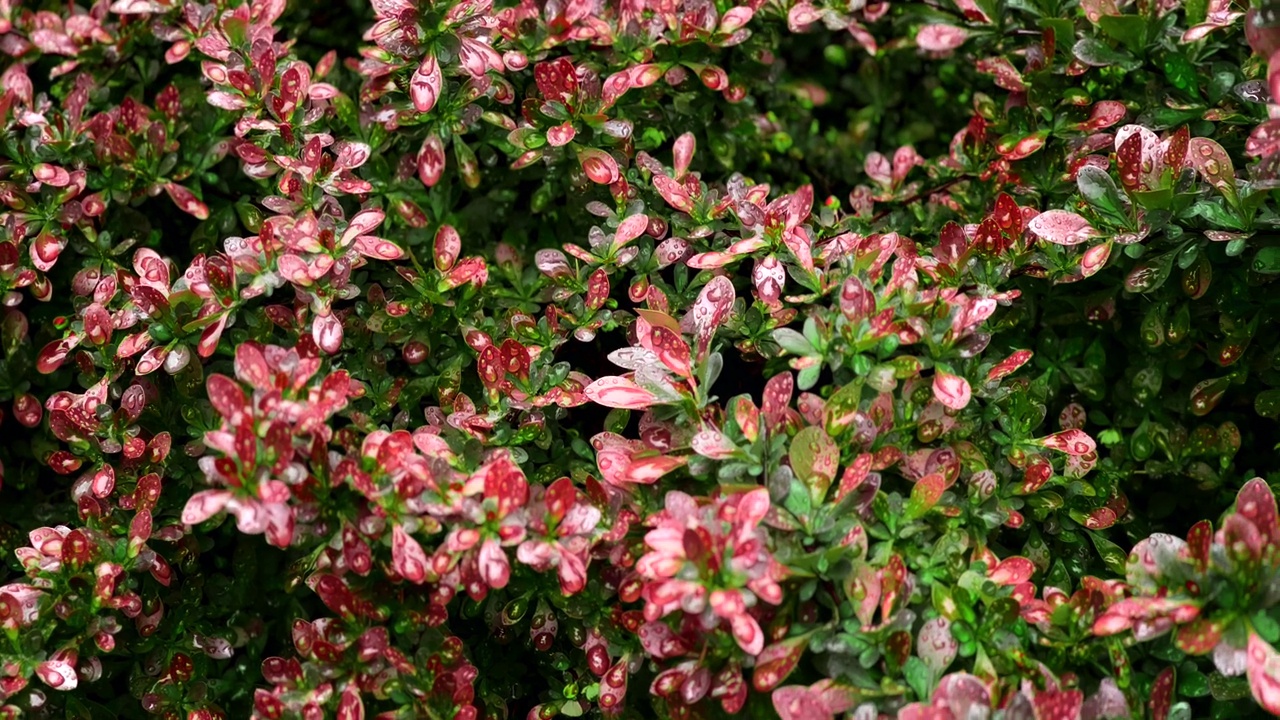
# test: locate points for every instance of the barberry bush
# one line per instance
(801, 359)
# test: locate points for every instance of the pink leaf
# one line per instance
(494, 567)
(1062, 228)
(378, 248)
(1012, 571)
(674, 193)
(647, 471)
(599, 166)
(326, 330)
(1005, 75)
(424, 86)
(448, 245)
(619, 392)
(407, 557)
(186, 201)
(431, 160)
(951, 390)
(362, 224)
(561, 135)
(683, 154)
(746, 630)
(1263, 668)
(630, 229)
(1094, 259)
(1073, 442)
(59, 672)
(795, 702)
(935, 644)
(940, 38)
(712, 443)
(204, 505)
(1257, 504)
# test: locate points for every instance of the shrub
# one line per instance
(645, 359)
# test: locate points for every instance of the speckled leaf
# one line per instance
(936, 645)
(1206, 395)
(924, 496)
(1214, 165)
(814, 459)
(1256, 503)
(1162, 694)
(1199, 636)
(1263, 669)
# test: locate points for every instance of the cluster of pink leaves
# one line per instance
(709, 569)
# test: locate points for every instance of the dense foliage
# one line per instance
(640, 358)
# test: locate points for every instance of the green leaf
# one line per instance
(1192, 683)
(1096, 53)
(990, 8)
(1195, 10)
(1227, 689)
(1266, 626)
(1217, 215)
(1150, 273)
(1155, 199)
(918, 676)
(798, 500)
(1182, 74)
(1063, 31)
(1111, 553)
(793, 342)
(1096, 186)
(1130, 30)
(808, 377)
(1267, 403)
(1267, 261)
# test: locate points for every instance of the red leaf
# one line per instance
(1199, 637)
(1162, 694)
(1129, 160)
(1058, 704)
(227, 396)
(1105, 114)
(557, 80)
